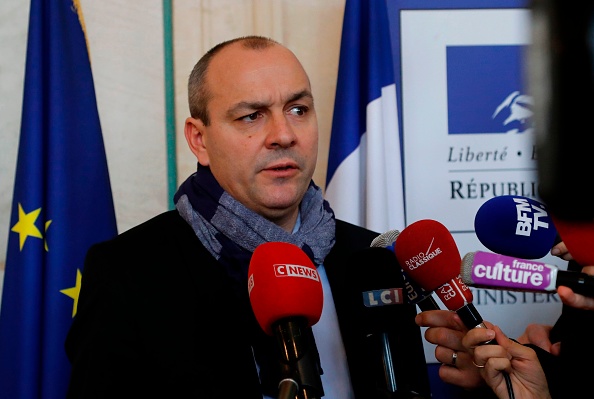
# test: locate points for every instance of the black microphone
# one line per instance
(414, 292)
(389, 360)
(495, 271)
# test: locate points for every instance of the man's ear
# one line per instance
(194, 132)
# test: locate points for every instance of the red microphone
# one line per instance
(427, 250)
(428, 253)
(578, 236)
(287, 298)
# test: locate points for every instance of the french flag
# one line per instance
(364, 183)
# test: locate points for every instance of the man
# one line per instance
(164, 309)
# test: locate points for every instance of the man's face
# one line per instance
(262, 142)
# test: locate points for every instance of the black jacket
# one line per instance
(158, 317)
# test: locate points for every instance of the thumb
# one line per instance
(556, 348)
(510, 345)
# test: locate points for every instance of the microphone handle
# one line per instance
(309, 374)
(472, 319)
(287, 388)
(428, 303)
(470, 316)
(390, 376)
(300, 359)
(580, 283)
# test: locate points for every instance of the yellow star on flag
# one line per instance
(25, 227)
(74, 291)
(47, 225)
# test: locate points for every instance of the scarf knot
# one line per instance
(231, 232)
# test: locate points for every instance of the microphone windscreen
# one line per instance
(516, 226)
(578, 236)
(375, 285)
(283, 282)
(428, 253)
(386, 239)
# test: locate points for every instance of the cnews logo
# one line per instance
(391, 296)
(284, 270)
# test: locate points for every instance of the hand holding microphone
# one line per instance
(507, 355)
(429, 255)
(287, 298)
(573, 299)
(523, 227)
(495, 271)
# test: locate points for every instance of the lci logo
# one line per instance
(390, 296)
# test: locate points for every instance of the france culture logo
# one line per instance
(486, 90)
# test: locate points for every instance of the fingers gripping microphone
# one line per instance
(495, 271)
(427, 249)
(515, 226)
(428, 253)
(414, 292)
(286, 296)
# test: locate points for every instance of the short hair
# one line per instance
(198, 93)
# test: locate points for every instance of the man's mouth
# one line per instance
(281, 167)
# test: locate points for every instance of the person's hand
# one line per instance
(446, 330)
(518, 361)
(560, 250)
(539, 335)
(570, 298)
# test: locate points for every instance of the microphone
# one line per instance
(578, 236)
(429, 255)
(414, 292)
(427, 249)
(495, 271)
(387, 357)
(286, 296)
(429, 252)
(515, 226)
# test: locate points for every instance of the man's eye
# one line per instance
(250, 117)
(298, 110)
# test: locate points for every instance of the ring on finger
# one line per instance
(477, 365)
(454, 358)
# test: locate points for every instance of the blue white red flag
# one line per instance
(364, 183)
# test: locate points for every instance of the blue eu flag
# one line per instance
(62, 204)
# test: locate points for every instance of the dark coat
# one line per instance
(157, 317)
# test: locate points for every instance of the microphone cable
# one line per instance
(508, 384)
(506, 377)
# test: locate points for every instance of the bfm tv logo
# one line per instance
(285, 270)
(390, 296)
(530, 217)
